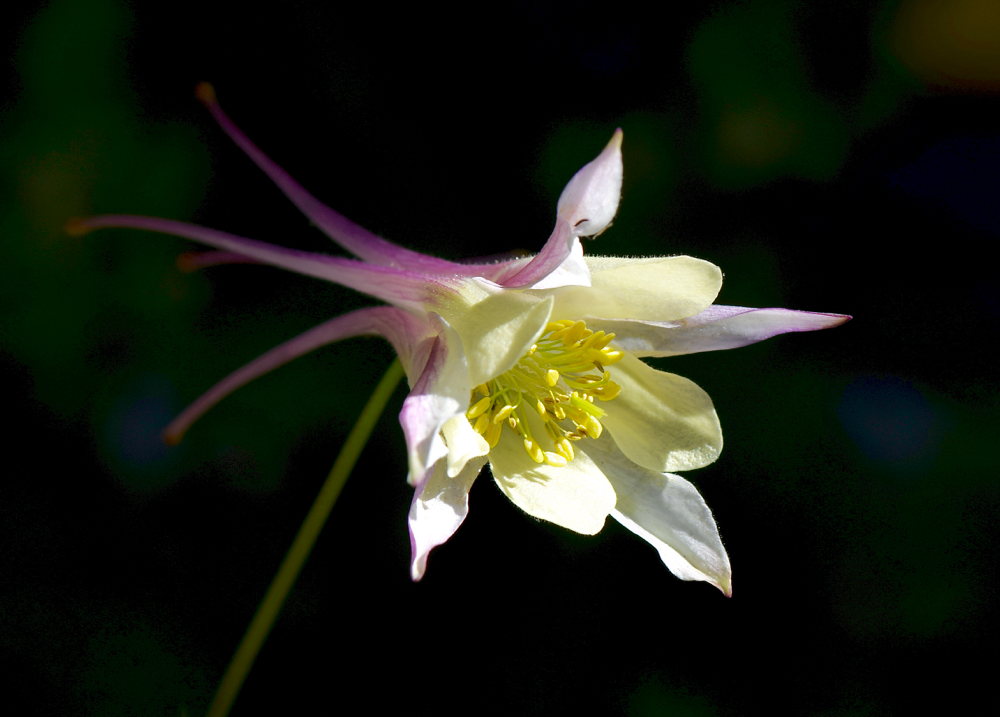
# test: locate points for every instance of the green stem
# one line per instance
(261, 624)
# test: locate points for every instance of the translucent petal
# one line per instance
(577, 496)
(661, 289)
(438, 508)
(464, 444)
(661, 421)
(497, 326)
(669, 513)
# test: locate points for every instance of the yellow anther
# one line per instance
(585, 406)
(503, 413)
(574, 334)
(557, 325)
(492, 436)
(540, 407)
(594, 427)
(565, 449)
(592, 339)
(478, 408)
(482, 424)
(610, 391)
(552, 377)
(534, 451)
(554, 459)
(608, 338)
(483, 389)
(611, 357)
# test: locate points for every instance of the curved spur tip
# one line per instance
(172, 437)
(77, 227)
(205, 93)
(187, 263)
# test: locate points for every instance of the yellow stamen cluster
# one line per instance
(558, 379)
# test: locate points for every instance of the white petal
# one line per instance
(572, 272)
(463, 444)
(660, 420)
(559, 263)
(669, 513)
(441, 393)
(663, 289)
(590, 200)
(577, 496)
(438, 508)
(497, 326)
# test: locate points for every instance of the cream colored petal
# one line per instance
(661, 421)
(463, 444)
(668, 512)
(604, 263)
(577, 496)
(497, 326)
(663, 289)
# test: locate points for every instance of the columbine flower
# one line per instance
(531, 364)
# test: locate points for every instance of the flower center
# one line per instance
(558, 379)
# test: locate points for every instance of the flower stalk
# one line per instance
(291, 566)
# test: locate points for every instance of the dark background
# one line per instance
(839, 157)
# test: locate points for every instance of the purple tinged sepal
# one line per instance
(714, 329)
(590, 200)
